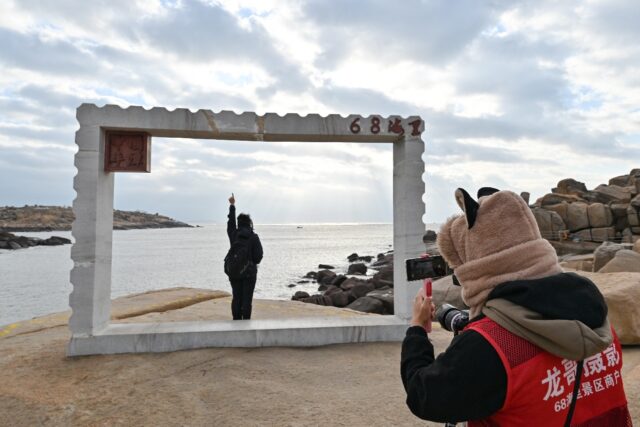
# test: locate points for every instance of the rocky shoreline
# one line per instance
(352, 289)
(347, 290)
(56, 218)
(12, 242)
(596, 233)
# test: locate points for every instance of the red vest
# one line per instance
(540, 385)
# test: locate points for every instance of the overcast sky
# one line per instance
(515, 95)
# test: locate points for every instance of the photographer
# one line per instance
(538, 349)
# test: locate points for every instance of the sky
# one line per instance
(515, 94)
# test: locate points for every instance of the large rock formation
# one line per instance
(618, 290)
(624, 260)
(610, 212)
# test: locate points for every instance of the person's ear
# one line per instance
(468, 206)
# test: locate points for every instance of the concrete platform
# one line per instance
(172, 336)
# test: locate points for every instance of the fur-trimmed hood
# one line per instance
(496, 240)
(506, 268)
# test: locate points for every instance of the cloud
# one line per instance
(435, 31)
(514, 94)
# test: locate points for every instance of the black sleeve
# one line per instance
(231, 222)
(256, 252)
(466, 382)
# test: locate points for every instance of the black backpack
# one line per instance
(237, 263)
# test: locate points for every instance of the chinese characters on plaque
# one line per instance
(127, 152)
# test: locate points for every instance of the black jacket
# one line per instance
(468, 380)
(255, 247)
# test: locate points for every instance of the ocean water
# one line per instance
(35, 281)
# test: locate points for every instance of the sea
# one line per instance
(35, 281)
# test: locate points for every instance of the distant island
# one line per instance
(59, 218)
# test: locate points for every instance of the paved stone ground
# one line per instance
(337, 385)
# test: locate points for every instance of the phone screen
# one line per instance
(422, 268)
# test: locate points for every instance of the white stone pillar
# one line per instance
(408, 210)
(92, 231)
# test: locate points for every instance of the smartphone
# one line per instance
(422, 268)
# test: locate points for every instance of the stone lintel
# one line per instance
(249, 126)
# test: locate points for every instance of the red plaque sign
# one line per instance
(127, 152)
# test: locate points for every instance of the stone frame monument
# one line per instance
(90, 299)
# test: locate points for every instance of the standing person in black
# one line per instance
(241, 263)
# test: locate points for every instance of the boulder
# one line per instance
(560, 209)
(635, 202)
(332, 290)
(525, 196)
(602, 234)
(380, 257)
(599, 215)
(14, 245)
(625, 260)
(325, 276)
(340, 299)
(300, 282)
(444, 291)
(621, 224)
(325, 267)
(549, 223)
(311, 275)
(348, 284)
(358, 268)
(619, 210)
(353, 257)
(577, 216)
(386, 297)
(362, 289)
(636, 246)
(366, 258)
(299, 295)
(633, 216)
(605, 253)
(635, 182)
(55, 241)
(384, 276)
(337, 281)
(570, 186)
(318, 300)
(384, 260)
(612, 194)
(618, 290)
(554, 199)
(367, 305)
(626, 236)
(291, 285)
(620, 181)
